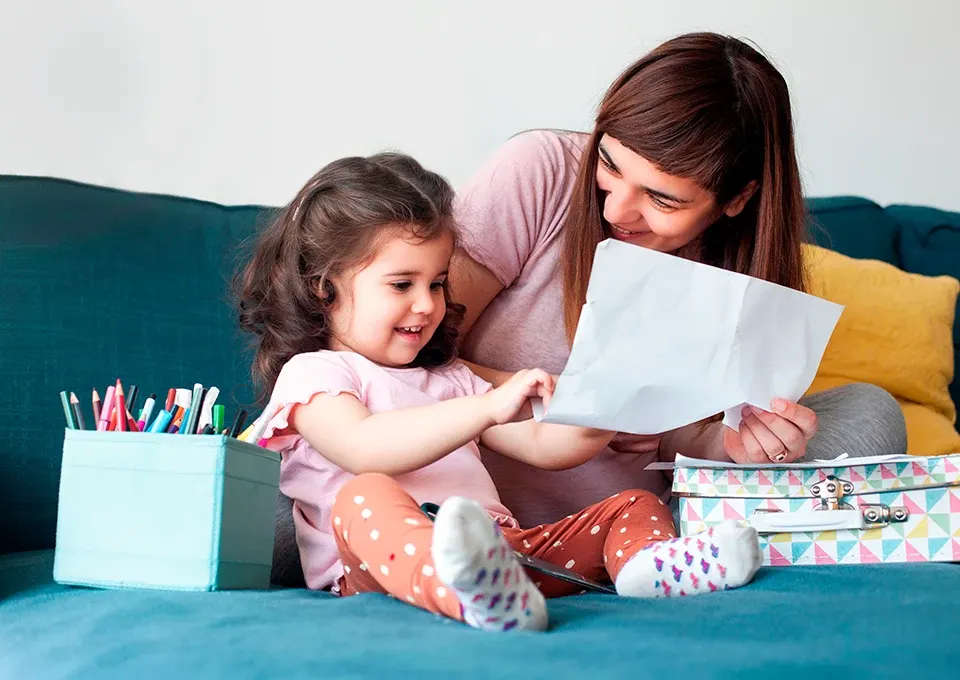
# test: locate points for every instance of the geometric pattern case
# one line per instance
(928, 489)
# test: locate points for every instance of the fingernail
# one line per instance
(756, 411)
(746, 411)
(779, 405)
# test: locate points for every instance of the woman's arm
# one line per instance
(475, 286)
(392, 442)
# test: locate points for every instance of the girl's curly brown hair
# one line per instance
(336, 222)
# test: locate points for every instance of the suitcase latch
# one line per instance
(875, 516)
(831, 491)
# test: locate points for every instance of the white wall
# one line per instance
(241, 101)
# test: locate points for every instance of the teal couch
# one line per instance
(97, 283)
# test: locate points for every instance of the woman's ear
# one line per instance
(737, 204)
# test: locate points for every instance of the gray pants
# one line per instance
(859, 420)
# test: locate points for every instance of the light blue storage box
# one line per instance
(180, 512)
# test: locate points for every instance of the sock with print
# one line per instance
(472, 557)
(722, 557)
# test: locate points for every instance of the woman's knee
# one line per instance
(857, 419)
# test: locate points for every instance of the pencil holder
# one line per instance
(179, 512)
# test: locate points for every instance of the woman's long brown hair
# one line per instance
(712, 109)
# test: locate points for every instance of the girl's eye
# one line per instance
(401, 285)
(436, 285)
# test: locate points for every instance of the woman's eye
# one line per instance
(661, 204)
(401, 285)
(606, 165)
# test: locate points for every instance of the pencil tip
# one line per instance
(73, 398)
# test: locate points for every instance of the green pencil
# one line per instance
(67, 410)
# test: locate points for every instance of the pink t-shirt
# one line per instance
(511, 215)
(312, 481)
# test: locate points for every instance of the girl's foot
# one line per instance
(722, 557)
(472, 557)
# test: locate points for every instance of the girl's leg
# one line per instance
(388, 545)
(630, 537)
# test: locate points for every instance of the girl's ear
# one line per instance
(326, 291)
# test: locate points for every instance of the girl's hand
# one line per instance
(510, 402)
(778, 436)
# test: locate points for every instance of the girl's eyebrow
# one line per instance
(411, 272)
(652, 192)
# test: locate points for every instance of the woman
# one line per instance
(692, 154)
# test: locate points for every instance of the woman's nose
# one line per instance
(619, 207)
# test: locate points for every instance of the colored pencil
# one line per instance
(77, 413)
(67, 412)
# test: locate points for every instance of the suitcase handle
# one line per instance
(805, 520)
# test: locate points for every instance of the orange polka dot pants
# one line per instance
(384, 541)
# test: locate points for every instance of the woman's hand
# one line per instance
(635, 443)
(778, 436)
(511, 401)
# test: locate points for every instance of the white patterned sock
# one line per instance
(722, 557)
(472, 557)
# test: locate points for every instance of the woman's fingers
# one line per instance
(781, 439)
(804, 418)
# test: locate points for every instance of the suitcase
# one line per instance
(850, 511)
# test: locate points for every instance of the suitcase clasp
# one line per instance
(831, 491)
(876, 516)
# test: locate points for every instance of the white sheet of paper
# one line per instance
(663, 342)
(845, 461)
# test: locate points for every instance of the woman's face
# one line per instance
(647, 207)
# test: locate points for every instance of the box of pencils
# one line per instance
(158, 510)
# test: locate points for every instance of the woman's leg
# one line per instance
(859, 420)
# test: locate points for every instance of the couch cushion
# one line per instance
(99, 284)
(854, 226)
(896, 331)
(930, 244)
(797, 622)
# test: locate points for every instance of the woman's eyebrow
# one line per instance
(653, 192)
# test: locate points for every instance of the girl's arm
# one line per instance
(546, 445)
(392, 442)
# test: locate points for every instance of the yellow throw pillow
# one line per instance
(896, 331)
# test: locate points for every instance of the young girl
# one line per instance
(347, 294)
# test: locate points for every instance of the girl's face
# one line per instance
(647, 207)
(390, 308)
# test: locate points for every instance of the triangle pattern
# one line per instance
(867, 557)
(954, 501)
(729, 512)
(886, 472)
(921, 530)
(844, 548)
(935, 545)
(708, 505)
(949, 466)
(778, 560)
(799, 548)
(855, 476)
(911, 506)
(822, 556)
(890, 546)
(763, 479)
(918, 471)
(692, 515)
(942, 522)
(934, 496)
(956, 551)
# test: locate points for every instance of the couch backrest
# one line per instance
(97, 284)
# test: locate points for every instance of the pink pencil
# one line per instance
(105, 411)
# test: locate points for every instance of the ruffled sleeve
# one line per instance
(302, 378)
